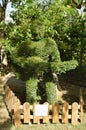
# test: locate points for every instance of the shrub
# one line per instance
(31, 90)
(51, 92)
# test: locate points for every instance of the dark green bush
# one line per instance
(51, 92)
(31, 90)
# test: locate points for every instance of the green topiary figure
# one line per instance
(39, 58)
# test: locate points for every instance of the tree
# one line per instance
(69, 31)
(3, 8)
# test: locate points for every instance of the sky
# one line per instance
(7, 13)
(0, 1)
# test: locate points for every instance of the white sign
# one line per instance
(41, 110)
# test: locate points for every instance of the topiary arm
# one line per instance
(62, 67)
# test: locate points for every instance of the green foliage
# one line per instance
(63, 67)
(31, 90)
(51, 92)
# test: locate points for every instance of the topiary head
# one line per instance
(37, 30)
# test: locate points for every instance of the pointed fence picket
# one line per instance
(42, 113)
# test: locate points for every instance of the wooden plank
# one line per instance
(11, 106)
(10, 101)
(15, 100)
(65, 112)
(17, 120)
(7, 90)
(46, 118)
(36, 119)
(55, 113)
(81, 105)
(26, 112)
(75, 113)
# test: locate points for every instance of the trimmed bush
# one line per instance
(31, 90)
(51, 92)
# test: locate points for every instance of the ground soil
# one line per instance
(72, 93)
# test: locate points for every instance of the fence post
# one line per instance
(65, 112)
(55, 114)
(75, 113)
(17, 120)
(26, 112)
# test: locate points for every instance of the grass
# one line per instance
(45, 127)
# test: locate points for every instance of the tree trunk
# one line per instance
(2, 16)
(55, 77)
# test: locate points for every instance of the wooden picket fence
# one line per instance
(42, 113)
